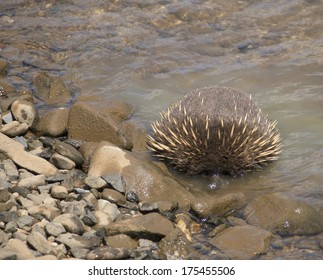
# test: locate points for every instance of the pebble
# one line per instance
(54, 229)
(102, 219)
(71, 223)
(62, 162)
(148, 207)
(26, 221)
(88, 218)
(4, 194)
(59, 192)
(108, 208)
(95, 182)
(132, 197)
(10, 169)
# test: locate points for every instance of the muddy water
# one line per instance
(150, 53)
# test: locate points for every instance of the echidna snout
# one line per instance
(215, 130)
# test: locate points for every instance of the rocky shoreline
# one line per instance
(78, 183)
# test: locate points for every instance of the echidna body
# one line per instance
(215, 130)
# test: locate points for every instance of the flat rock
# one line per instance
(141, 177)
(76, 241)
(14, 129)
(54, 229)
(121, 241)
(71, 223)
(10, 169)
(62, 162)
(40, 243)
(25, 112)
(68, 151)
(113, 196)
(242, 242)
(152, 226)
(88, 123)
(283, 215)
(54, 122)
(219, 206)
(51, 89)
(15, 151)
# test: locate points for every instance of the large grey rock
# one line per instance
(242, 242)
(25, 112)
(283, 215)
(143, 178)
(76, 241)
(54, 122)
(88, 123)
(15, 151)
(54, 229)
(152, 226)
(40, 243)
(50, 89)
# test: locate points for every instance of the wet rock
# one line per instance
(74, 241)
(167, 206)
(141, 177)
(243, 242)
(68, 151)
(137, 133)
(113, 196)
(152, 226)
(62, 162)
(32, 182)
(54, 229)
(14, 129)
(219, 206)
(95, 182)
(4, 65)
(10, 169)
(54, 122)
(15, 151)
(280, 214)
(20, 248)
(132, 196)
(106, 253)
(59, 192)
(71, 223)
(40, 243)
(108, 208)
(87, 149)
(116, 181)
(87, 123)
(25, 112)
(148, 207)
(119, 110)
(50, 89)
(121, 241)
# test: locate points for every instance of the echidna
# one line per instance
(215, 130)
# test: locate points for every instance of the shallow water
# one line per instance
(150, 53)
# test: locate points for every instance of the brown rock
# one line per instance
(54, 122)
(137, 133)
(121, 241)
(20, 248)
(141, 177)
(25, 112)
(51, 90)
(14, 129)
(242, 242)
(85, 122)
(119, 110)
(151, 226)
(220, 206)
(15, 151)
(285, 216)
(4, 65)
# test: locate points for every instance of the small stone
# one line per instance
(71, 223)
(54, 229)
(74, 241)
(166, 206)
(8, 254)
(68, 151)
(10, 169)
(113, 196)
(60, 251)
(4, 237)
(88, 218)
(7, 118)
(132, 197)
(32, 182)
(95, 182)
(108, 208)
(59, 192)
(79, 253)
(106, 253)
(8, 216)
(73, 207)
(55, 178)
(14, 129)
(47, 212)
(25, 112)
(23, 192)
(4, 195)
(39, 243)
(62, 162)
(11, 227)
(22, 140)
(20, 248)
(116, 181)
(148, 207)
(26, 221)
(90, 199)
(102, 219)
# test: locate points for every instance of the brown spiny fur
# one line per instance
(215, 130)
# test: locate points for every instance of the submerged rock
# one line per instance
(280, 214)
